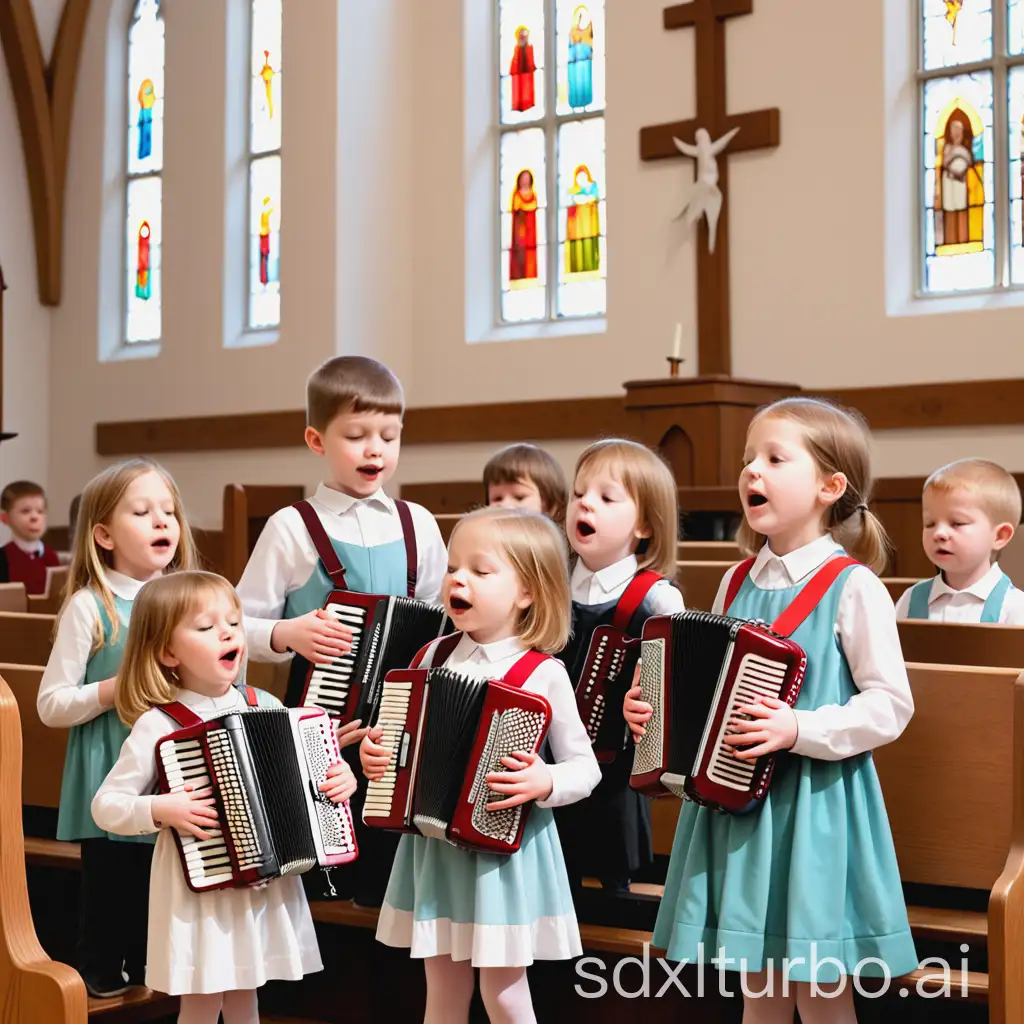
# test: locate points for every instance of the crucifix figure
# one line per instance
(757, 129)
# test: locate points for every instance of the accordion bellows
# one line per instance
(446, 733)
(696, 669)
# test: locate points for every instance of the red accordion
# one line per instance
(696, 669)
(446, 734)
(264, 767)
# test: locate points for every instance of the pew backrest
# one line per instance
(247, 507)
(708, 551)
(960, 643)
(52, 597)
(25, 638)
(13, 597)
(699, 582)
(44, 747)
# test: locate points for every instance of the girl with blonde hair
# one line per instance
(186, 644)
(130, 528)
(622, 524)
(507, 590)
(805, 890)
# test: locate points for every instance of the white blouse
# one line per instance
(609, 583)
(866, 628)
(948, 605)
(575, 772)
(63, 699)
(284, 557)
(123, 804)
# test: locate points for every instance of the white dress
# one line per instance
(214, 941)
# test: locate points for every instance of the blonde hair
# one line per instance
(351, 384)
(89, 561)
(142, 681)
(649, 482)
(838, 440)
(993, 489)
(538, 552)
(520, 462)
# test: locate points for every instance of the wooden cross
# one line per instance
(758, 129)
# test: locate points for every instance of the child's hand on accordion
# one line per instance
(340, 783)
(528, 779)
(187, 810)
(317, 636)
(771, 726)
(637, 712)
(372, 756)
(351, 733)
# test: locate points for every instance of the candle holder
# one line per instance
(673, 363)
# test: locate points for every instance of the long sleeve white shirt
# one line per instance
(64, 698)
(866, 628)
(948, 605)
(284, 557)
(609, 583)
(575, 772)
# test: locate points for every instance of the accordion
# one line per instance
(446, 734)
(607, 675)
(387, 632)
(264, 767)
(696, 669)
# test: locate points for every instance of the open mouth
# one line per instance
(585, 530)
(369, 472)
(161, 543)
(459, 604)
(230, 657)
(943, 553)
(756, 500)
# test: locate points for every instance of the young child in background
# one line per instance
(971, 509)
(622, 525)
(525, 476)
(811, 873)
(130, 529)
(25, 558)
(507, 591)
(354, 410)
(186, 644)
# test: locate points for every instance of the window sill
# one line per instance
(134, 350)
(255, 339)
(925, 304)
(543, 329)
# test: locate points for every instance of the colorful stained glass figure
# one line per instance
(143, 288)
(266, 71)
(268, 209)
(959, 181)
(147, 97)
(582, 225)
(267, 74)
(522, 72)
(265, 232)
(521, 38)
(581, 58)
(956, 32)
(523, 191)
(522, 254)
(143, 263)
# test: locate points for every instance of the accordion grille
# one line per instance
(269, 735)
(648, 754)
(317, 756)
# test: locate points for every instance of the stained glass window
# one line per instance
(972, 127)
(264, 221)
(551, 177)
(143, 167)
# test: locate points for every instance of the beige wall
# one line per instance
(382, 147)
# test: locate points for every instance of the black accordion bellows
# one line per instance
(451, 727)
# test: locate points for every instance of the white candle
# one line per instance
(678, 347)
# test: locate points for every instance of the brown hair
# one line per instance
(16, 491)
(351, 384)
(538, 552)
(143, 682)
(520, 462)
(651, 485)
(839, 442)
(89, 561)
(993, 489)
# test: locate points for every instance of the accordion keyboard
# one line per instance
(756, 677)
(394, 708)
(208, 861)
(648, 754)
(330, 684)
(508, 732)
(319, 751)
(602, 666)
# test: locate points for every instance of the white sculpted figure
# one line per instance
(705, 198)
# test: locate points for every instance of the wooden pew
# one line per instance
(246, 510)
(699, 582)
(446, 498)
(26, 639)
(896, 585)
(44, 747)
(955, 643)
(50, 600)
(13, 597)
(708, 551)
(446, 522)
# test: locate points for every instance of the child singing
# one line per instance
(812, 872)
(507, 590)
(214, 949)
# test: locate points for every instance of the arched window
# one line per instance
(264, 219)
(551, 159)
(143, 168)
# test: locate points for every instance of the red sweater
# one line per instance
(18, 567)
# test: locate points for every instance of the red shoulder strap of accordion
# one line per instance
(251, 698)
(179, 713)
(632, 597)
(741, 572)
(442, 652)
(813, 591)
(409, 536)
(324, 548)
(524, 668)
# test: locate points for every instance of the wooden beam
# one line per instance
(44, 101)
(759, 129)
